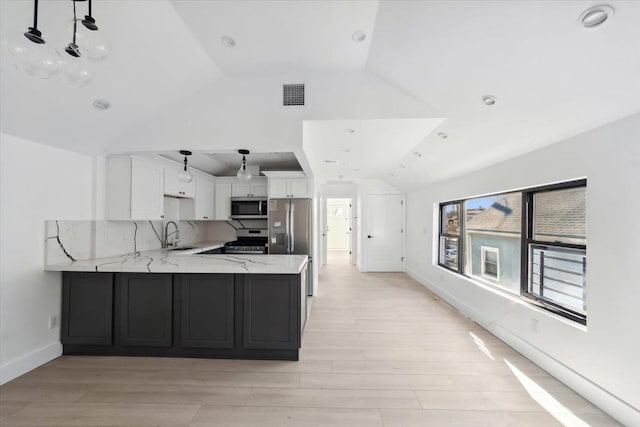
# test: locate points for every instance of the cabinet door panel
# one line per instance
(207, 310)
(240, 190)
(259, 189)
(146, 309)
(87, 308)
(204, 199)
(271, 307)
(278, 188)
(147, 190)
(223, 201)
(300, 188)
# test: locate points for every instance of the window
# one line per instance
(540, 255)
(495, 224)
(449, 236)
(491, 262)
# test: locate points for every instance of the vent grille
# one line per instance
(293, 95)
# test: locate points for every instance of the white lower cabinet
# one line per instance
(135, 189)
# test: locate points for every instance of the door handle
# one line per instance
(369, 236)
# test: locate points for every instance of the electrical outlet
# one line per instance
(54, 321)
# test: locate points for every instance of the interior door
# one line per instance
(338, 225)
(383, 237)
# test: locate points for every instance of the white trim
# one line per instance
(622, 411)
(30, 361)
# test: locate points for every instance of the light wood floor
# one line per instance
(379, 350)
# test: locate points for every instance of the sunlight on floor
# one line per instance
(483, 348)
(546, 400)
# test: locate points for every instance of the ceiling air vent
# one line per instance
(293, 95)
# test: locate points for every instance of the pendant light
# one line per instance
(73, 49)
(88, 20)
(33, 33)
(243, 173)
(184, 175)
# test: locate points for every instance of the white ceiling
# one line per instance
(173, 85)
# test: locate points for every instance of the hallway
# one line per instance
(379, 350)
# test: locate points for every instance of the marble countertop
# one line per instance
(166, 261)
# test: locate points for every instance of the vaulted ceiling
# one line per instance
(420, 71)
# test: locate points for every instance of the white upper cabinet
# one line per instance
(135, 189)
(174, 187)
(257, 187)
(201, 208)
(223, 201)
(289, 188)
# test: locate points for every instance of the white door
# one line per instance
(337, 225)
(383, 235)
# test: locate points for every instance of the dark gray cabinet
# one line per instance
(271, 311)
(146, 309)
(239, 316)
(207, 310)
(87, 308)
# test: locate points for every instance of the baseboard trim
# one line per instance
(609, 403)
(28, 362)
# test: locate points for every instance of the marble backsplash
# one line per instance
(82, 240)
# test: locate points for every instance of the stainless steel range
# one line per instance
(250, 241)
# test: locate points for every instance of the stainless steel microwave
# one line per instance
(248, 208)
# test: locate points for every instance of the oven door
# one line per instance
(242, 208)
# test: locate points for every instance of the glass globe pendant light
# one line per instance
(243, 174)
(184, 175)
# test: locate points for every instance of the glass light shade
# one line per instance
(37, 60)
(185, 176)
(92, 43)
(75, 70)
(243, 174)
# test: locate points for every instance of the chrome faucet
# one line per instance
(176, 239)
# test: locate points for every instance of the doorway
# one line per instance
(384, 232)
(338, 231)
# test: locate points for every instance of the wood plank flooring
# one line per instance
(379, 350)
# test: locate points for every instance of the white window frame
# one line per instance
(484, 250)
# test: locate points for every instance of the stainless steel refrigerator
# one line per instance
(290, 230)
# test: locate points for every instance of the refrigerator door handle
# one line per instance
(291, 235)
(287, 231)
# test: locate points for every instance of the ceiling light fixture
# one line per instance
(345, 150)
(489, 100)
(243, 174)
(443, 135)
(358, 36)
(417, 154)
(184, 175)
(42, 63)
(331, 162)
(402, 166)
(102, 104)
(350, 131)
(33, 33)
(227, 41)
(595, 16)
(88, 20)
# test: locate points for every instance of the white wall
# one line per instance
(37, 183)
(601, 360)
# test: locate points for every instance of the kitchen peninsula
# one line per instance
(180, 303)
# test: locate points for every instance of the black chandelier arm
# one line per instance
(35, 15)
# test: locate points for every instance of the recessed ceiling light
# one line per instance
(595, 16)
(358, 36)
(403, 167)
(101, 104)
(415, 153)
(443, 135)
(391, 174)
(331, 162)
(356, 170)
(340, 176)
(489, 100)
(345, 150)
(228, 41)
(350, 131)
